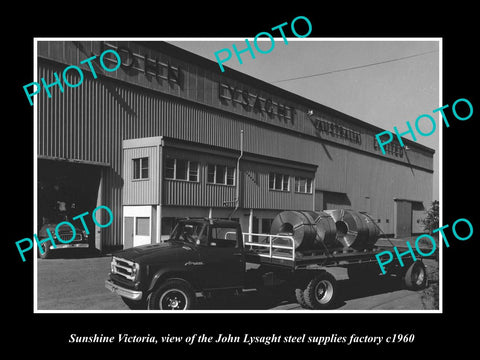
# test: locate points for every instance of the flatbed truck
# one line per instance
(207, 256)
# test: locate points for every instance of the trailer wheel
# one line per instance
(415, 277)
(299, 296)
(321, 291)
(173, 294)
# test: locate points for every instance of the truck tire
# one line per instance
(321, 291)
(299, 296)
(135, 304)
(172, 294)
(415, 277)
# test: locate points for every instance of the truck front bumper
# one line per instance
(119, 290)
(67, 246)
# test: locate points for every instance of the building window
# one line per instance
(140, 168)
(303, 185)
(279, 182)
(193, 171)
(170, 168)
(179, 169)
(143, 226)
(220, 174)
(230, 176)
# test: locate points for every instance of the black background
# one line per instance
(455, 329)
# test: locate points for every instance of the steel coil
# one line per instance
(309, 229)
(354, 229)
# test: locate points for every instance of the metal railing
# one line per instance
(268, 241)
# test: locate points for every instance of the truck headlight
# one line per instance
(135, 270)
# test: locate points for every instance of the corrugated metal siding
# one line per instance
(177, 192)
(140, 192)
(196, 194)
(82, 123)
(203, 86)
(257, 194)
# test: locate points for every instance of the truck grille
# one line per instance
(67, 235)
(123, 267)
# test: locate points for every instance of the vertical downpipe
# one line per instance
(159, 164)
(250, 225)
(237, 187)
(313, 192)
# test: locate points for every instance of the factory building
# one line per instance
(167, 135)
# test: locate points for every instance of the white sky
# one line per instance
(386, 95)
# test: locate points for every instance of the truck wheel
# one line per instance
(135, 304)
(173, 294)
(415, 277)
(321, 291)
(299, 296)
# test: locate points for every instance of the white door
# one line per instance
(142, 224)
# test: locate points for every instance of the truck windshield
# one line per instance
(189, 232)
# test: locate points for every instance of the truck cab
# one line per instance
(201, 256)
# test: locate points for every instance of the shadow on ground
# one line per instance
(348, 290)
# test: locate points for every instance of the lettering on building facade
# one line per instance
(390, 148)
(251, 101)
(329, 128)
(150, 66)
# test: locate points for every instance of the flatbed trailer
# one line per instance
(307, 270)
(266, 252)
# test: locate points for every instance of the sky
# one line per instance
(392, 80)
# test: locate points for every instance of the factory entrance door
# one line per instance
(403, 218)
(69, 189)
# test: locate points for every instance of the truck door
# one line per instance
(223, 259)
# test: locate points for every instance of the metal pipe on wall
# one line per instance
(237, 185)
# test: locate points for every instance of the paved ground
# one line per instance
(67, 283)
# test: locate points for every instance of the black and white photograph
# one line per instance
(231, 189)
(189, 182)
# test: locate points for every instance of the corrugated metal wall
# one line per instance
(89, 123)
(186, 193)
(141, 192)
(257, 194)
(81, 124)
(203, 86)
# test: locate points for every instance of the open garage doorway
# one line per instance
(68, 189)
